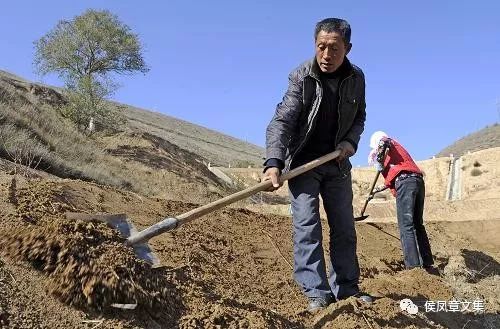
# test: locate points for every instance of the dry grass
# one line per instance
(219, 149)
(34, 134)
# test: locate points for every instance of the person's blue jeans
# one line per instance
(410, 195)
(309, 262)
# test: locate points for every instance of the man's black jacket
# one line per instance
(296, 115)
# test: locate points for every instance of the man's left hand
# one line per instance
(346, 150)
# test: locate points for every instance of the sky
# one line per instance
(432, 68)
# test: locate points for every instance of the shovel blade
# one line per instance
(144, 252)
(121, 223)
(360, 218)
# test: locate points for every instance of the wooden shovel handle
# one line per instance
(370, 195)
(263, 186)
(170, 223)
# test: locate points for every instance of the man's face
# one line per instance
(330, 51)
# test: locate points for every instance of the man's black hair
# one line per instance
(338, 25)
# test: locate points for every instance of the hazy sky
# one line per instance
(432, 67)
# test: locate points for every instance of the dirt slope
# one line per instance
(218, 148)
(214, 146)
(33, 133)
(485, 138)
(232, 269)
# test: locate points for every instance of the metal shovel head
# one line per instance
(360, 218)
(121, 223)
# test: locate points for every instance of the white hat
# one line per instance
(376, 137)
(372, 156)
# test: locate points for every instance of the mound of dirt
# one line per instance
(87, 263)
(89, 266)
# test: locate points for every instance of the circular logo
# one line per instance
(403, 304)
(412, 309)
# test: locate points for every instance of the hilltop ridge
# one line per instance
(488, 137)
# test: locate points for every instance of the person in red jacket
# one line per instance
(406, 182)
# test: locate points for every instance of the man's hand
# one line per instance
(380, 189)
(378, 166)
(346, 150)
(272, 174)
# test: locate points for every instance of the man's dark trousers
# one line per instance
(309, 264)
(410, 195)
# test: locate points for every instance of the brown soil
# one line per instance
(159, 154)
(230, 269)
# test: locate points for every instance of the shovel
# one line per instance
(368, 199)
(139, 240)
(362, 216)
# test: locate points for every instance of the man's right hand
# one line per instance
(272, 174)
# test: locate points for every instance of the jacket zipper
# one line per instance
(301, 145)
(316, 112)
(338, 109)
(338, 118)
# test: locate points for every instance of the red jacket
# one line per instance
(397, 160)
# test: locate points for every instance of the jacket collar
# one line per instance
(315, 71)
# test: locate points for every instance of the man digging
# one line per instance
(323, 110)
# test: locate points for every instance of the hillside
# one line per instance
(151, 154)
(485, 138)
(218, 148)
